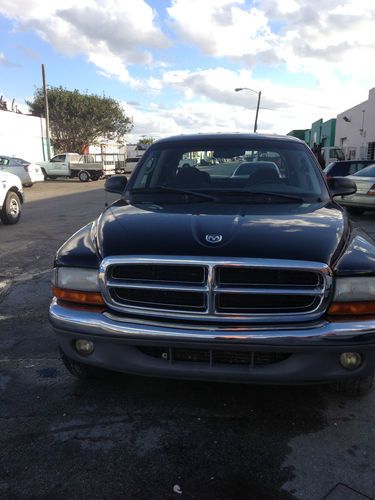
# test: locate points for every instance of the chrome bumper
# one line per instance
(105, 324)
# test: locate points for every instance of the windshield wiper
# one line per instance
(280, 195)
(263, 193)
(166, 189)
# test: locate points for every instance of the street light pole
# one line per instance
(258, 104)
(46, 113)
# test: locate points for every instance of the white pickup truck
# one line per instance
(74, 165)
(11, 198)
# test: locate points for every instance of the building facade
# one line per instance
(320, 133)
(23, 136)
(355, 130)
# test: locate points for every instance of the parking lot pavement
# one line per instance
(134, 437)
(366, 222)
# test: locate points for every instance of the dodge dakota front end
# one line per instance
(243, 269)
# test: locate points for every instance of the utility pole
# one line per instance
(46, 112)
(258, 104)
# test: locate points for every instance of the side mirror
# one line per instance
(341, 186)
(116, 184)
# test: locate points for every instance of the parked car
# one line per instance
(72, 165)
(364, 198)
(247, 168)
(212, 277)
(347, 167)
(208, 161)
(11, 198)
(28, 172)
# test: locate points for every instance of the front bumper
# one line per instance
(359, 200)
(313, 348)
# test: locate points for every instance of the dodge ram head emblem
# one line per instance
(214, 238)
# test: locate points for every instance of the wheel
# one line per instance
(11, 211)
(44, 174)
(29, 185)
(83, 176)
(83, 371)
(355, 210)
(354, 387)
(95, 178)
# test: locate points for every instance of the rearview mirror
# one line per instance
(116, 184)
(341, 186)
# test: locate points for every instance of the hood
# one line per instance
(313, 232)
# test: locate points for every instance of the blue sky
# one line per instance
(174, 64)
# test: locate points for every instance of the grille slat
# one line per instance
(212, 357)
(192, 288)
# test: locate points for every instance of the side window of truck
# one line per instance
(58, 159)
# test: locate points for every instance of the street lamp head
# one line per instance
(238, 89)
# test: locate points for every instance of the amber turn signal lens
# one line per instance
(352, 308)
(94, 298)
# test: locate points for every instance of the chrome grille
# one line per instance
(191, 288)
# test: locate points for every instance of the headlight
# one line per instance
(354, 296)
(353, 289)
(76, 278)
(79, 285)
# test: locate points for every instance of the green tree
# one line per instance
(78, 119)
(146, 139)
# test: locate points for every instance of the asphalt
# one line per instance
(132, 437)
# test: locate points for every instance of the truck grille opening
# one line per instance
(215, 356)
(162, 299)
(159, 273)
(249, 276)
(199, 288)
(227, 302)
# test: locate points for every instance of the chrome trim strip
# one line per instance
(80, 322)
(212, 289)
(271, 291)
(159, 286)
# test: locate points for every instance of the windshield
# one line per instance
(337, 153)
(366, 172)
(227, 168)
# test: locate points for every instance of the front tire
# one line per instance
(83, 371)
(355, 387)
(84, 176)
(11, 211)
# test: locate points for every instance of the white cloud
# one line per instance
(317, 38)
(111, 33)
(222, 28)
(332, 41)
(209, 103)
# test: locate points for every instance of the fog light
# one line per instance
(351, 360)
(84, 346)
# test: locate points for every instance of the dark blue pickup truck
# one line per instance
(241, 269)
